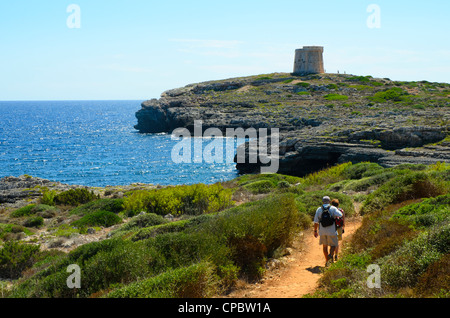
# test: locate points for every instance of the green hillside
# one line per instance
(217, 235)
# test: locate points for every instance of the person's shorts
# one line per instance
(330, 240)
(339, 232)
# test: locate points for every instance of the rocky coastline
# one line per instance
(323, 119)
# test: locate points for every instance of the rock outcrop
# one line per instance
(323, 119)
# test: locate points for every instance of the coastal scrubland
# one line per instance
(201, 240)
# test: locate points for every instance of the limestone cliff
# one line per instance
(323, 119)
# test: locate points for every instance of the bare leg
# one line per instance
(325, 252)
(332, 249)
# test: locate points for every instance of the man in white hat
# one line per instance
(324, 221)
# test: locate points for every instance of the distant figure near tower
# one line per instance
(309, 60)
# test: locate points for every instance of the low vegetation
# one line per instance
(200, 240)
(405, 231)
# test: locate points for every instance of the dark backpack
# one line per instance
(326, 219)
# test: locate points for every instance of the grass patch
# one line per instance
(98, 218)
(335, 97)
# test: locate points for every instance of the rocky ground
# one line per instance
(323, 119)
(18, 192)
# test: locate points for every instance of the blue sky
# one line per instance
(137, 49)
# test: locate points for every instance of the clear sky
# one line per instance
(136, 49)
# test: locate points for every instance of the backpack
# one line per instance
(340, 219)
(326, 219)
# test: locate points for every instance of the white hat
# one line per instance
(326, 198)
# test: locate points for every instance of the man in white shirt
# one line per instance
(327, 233)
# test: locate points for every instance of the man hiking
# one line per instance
(324, 221)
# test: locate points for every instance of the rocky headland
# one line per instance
(323, 119)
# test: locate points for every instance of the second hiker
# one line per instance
(340, 224)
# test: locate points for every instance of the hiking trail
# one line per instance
(300, 272)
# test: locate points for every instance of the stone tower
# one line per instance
(309, 60)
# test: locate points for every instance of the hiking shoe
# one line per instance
(335, 258)
(330, 258)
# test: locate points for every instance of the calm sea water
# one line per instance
(93, 143)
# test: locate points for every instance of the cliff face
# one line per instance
(323, 119)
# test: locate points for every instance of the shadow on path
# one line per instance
(315, 269)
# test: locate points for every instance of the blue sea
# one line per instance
(94, 143)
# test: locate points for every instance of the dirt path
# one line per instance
(301, 270)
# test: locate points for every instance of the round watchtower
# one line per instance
(309, 60)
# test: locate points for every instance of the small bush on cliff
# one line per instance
(25, 211)
(142, 221)
(36, 221)
(98, 218)
(11, 231)
(192, 200)
(48, 197)
(326, 176)
(15, 258)
(33, 209)
(195, 281)
(261, 186)
(395, 94)
(426, 213)
(435, 281)
(412, 185)
(361, 170)
(74, 197)
(334, 96)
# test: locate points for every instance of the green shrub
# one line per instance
(426, 213)
(103, 264)
(274, 178)
(362, 79)
(15, 258)
(195, 281)
(365, 183)
(362, 169)
(332, 86)
(335, 97)
(74, 197)
(187, 247)
(48, 197)
(395, 94)
(98, 218)
(25, 211)
(435, 281)
(187, 199)
(155, 230)
(403, 267)
(410, 186)
(141, 221)
(326, 176)
(249, 255)
(343, 278)
(34, 221)
(261, 186)
(253, 231)
(283, 184)
(11, 232)
(33, 209)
